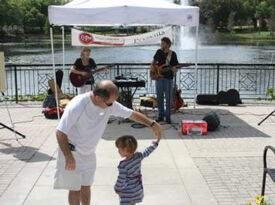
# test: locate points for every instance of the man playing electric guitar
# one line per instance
(164, 84)
(82, 70)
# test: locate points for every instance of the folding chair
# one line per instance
(269, 171)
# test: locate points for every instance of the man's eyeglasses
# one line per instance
(108, 104)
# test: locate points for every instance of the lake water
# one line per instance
(38, 52)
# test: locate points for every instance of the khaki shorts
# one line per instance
(72, 180)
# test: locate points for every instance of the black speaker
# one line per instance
(205, 99)
(213, 121)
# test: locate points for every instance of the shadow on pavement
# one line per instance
(25, 153)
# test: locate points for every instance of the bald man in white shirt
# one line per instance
(78, 133)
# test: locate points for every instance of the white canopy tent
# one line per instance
(123, 12)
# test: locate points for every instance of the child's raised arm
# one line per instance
(150, 149)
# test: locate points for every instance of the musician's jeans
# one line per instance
(164, 87)
(83, 89)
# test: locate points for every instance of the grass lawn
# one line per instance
(263, 37)
(254, 35)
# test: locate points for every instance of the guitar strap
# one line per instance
(168, 58)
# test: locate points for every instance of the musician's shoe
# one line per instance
(160, 119)
(168, 121)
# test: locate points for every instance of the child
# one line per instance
(129, 182)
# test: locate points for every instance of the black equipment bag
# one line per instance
(49, 101)
(213, 121)
(230, 97)
(207, 99)
(234, 97)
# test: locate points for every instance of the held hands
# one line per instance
(69, 163)
(157, 130)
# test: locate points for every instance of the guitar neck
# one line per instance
(175, 80)
(98, 69)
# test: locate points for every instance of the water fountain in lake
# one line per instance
(184, 39)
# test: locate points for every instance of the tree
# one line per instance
(29, 14)
(248, 12)
(249, 8)
(231, 21)
(271, 23)
(263, 11)
(218, 12)
(36, 13)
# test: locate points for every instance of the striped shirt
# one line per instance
(129, 182)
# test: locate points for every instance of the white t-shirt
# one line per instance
(84, 122)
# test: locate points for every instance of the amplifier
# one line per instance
(189, 127)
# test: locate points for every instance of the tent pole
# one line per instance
(63, 49)
(196, 65)
(53, 62)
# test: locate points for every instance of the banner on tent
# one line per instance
(82, 38)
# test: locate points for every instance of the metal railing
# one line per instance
(251, 80)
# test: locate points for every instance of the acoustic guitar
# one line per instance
(79, 80)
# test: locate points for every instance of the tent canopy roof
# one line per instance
(123, 12)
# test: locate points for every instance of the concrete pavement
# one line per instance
(224, 167)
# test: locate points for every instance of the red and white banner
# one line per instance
(82, 38)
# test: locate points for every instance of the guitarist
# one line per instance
(84, 66)
(164, 84)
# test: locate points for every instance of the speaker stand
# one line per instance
(11, 129)
(270, 114)
(7, 127)
(172, 124)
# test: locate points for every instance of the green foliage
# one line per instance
(222, 15)
(39, 97)
(226, 13)
(271, 93)
(30, 14)
(271, 23)
(259, 200)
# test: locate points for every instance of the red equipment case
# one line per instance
(190, 126)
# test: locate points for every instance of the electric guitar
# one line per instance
(157, 71)
(79, 80)
(177, 100)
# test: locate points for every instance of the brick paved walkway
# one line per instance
(14, 155)
(235, 180)
(230, 159)
(224, 167)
